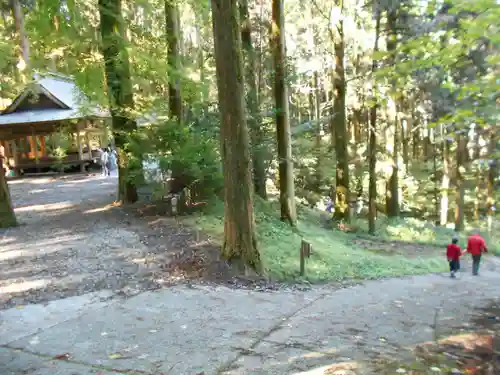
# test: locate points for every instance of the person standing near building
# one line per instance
(476, 246)
(112, 159)
(105, 162)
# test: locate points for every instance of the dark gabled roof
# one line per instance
(69, 102)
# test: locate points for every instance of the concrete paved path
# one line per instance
(215, 330)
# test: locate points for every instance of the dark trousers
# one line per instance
(476, 260)
(454, 265)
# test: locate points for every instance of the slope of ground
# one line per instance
(336, 255)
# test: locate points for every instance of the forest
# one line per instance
(344, 123)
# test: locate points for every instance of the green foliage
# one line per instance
(186, 151)
(451, 56)
(314, 171)
(424, 232)
(334, 257)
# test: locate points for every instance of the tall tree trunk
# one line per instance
(23, 64)
(7, 215)
(240, 242)
(405, 138)
(477, 154)
(427, 144)
(174, 89)
(392, 195)
(121, 102)
(254, 118)
(445, 181)
(357, 120)
(435, 178)
(310, 98)
(415, 129)
(200, 60)
(459, 213)
(318, 175)
(372, 144)
(174, 63)
(286, 181)
(342, 195)
(492, 174)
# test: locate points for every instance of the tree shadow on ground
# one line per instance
(73, 239)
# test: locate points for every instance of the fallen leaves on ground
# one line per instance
(471, 354)
(475, 352)
(62, 357)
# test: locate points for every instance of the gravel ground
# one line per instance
(73, 240)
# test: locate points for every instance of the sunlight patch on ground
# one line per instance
(46, 207)
(16, 287)
(469, 341)
(7, 240)
(342, 368)
(312, 355)
(86, 180)
(16, 249)
(99, 209)
(38, 191)
(34, 181)
(8, 255)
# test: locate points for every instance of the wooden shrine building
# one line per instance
(50, 105)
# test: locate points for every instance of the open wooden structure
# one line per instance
(46, 106)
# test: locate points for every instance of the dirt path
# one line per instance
(72, 240)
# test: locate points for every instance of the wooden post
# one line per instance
(43, 146)
(87, 141)
(80, 150)
(305, 251)
(15, 155)
(34, 147)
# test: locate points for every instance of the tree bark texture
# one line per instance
(174, 90)
(23, 65)
(445, 181)
(372, 144)
(492, 175)
(340, 126)
(239, 229)
(284, 137)
(460, 194)
(255, 121)
(117, 69)
(7, 215)
(392, 195)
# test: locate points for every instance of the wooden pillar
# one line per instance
(15, 155)
(31, 152)
(80, 150)
(43, 146)
(34, 147)
(87, 141)
(8, 149)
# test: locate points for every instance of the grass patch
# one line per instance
(333, 257)
(424, 232)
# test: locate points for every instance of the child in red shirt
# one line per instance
(453, 254)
